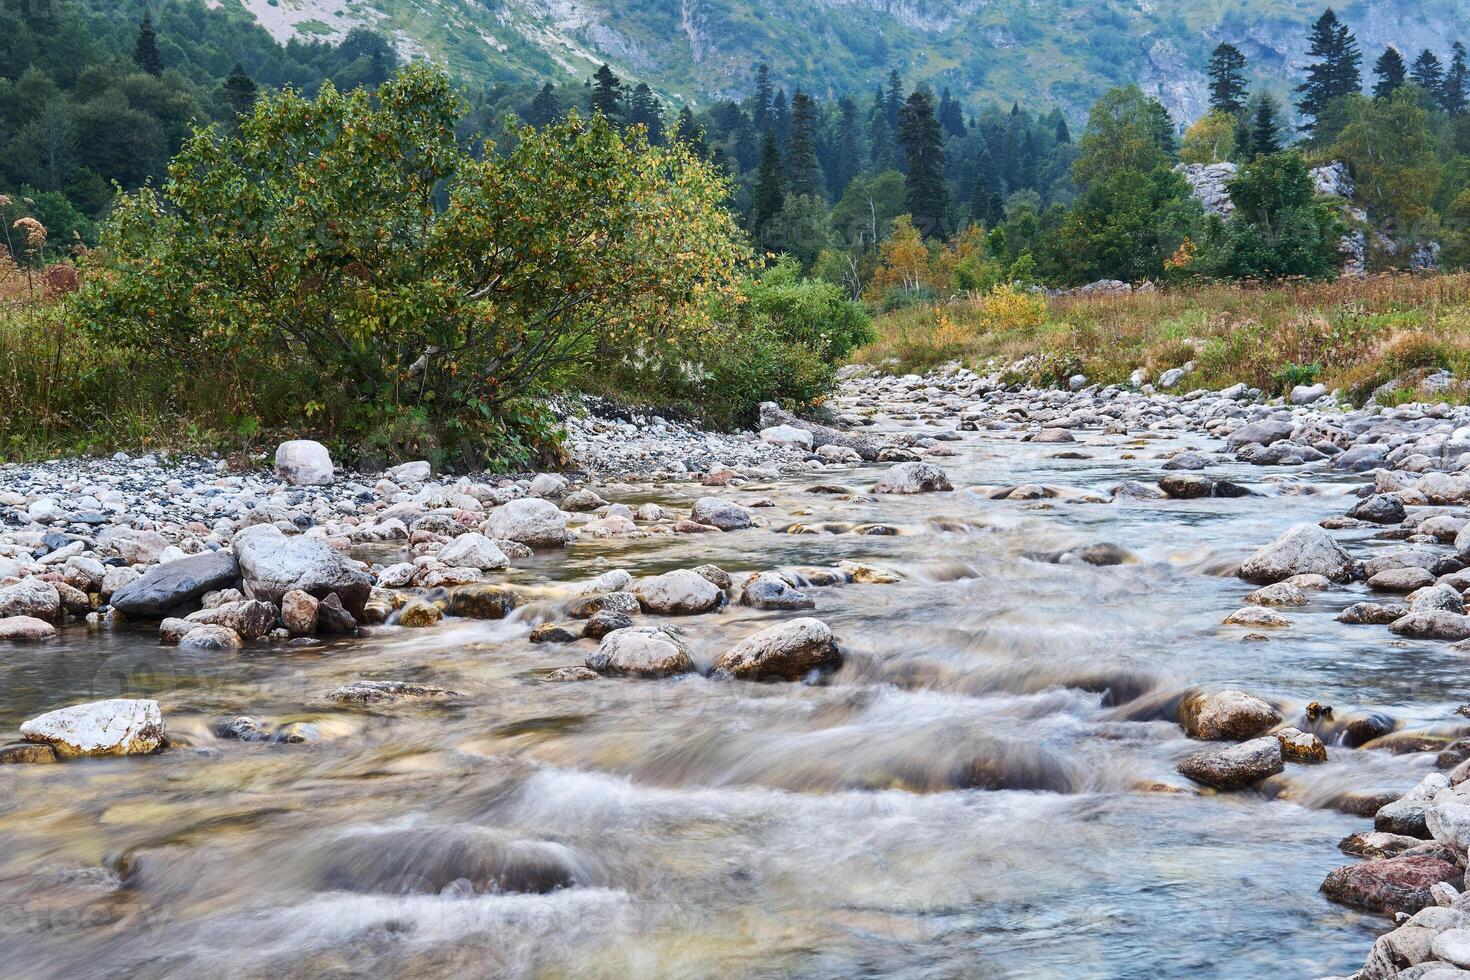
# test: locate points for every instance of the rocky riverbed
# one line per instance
(968, 676)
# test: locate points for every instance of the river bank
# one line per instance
(1001, 629)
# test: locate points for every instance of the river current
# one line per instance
(986, 787)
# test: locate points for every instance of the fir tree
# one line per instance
(1391, 72)
(848, 160)
(1336, 72)
(145, 52)
(688, 132)
(1456, 92)
(985, 205)
(882, 140)
(607, 94)
(925, 193)
(239, 92)
(1266, 128)
(893, 101)
(1227, 80)
(770, 194)
(644, 110)
(763, 100)
(780, 118)
(1063, 135)
(803, 172)
(545, 109)
(951, 116)
(1428, 74)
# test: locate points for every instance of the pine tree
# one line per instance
(893, 103)
(951, 116)
(780, 118)
(848, 161)
(607, 94)
(770, 195)
(1456, 92)
(644, 110)
(145, 52)
(1428, 73)
(1063, 134)
(545, 109)
(925, 193)
(762, 102)
(985, 205)
(1390, 71)
(1266, 130)
(1336, 73)
(1227, 80)
(239, 92)
(803, 172)
(689, 132)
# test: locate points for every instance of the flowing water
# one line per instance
(986, 788)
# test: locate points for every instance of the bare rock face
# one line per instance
(641, 651)
(1398, 884)
(1304, 549)
(786, 651)
(1235, 767)
(304, 463)
(118, 726)
(1226, 716)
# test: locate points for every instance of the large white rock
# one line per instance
(913, 478)
(723, 514)
(31, 597)
(304, 463)
(272, 564)
(26, 629)
(473, 550)
(641, 651)
(788, 436)
(1304, 549)
(680, 592)
(118, 726)
(530, 521)
(549, 485)
(406, 473)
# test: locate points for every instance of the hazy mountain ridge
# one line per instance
(1063, 52)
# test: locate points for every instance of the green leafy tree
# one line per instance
(1278, 227)
(802, 229)
(1391, 72)
(349, 243)
(1125, 131)
(1210, 140)
(1127, 225)
(1389, 145)
(927, 194)
(1228, 90)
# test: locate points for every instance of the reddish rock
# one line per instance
(1398, 884)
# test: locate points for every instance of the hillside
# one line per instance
(1063, 52)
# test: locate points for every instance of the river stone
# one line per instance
(1432, 624)
(530, 521)
(1438, 596)
(333, 618)
(641, 651)
(1398, 884)
(562, 674)
(418, 614)
(32, 753)
(1187, 461)
(118, 726)
(304, 463)
(1406, 817)
(1264, 432)
(1231, 716)
(549, 485)
(473, 550)
(551, 633)
(1373, 613)
(789, 436)
(272, 564)
(1303, 549)
(768, 590)
(1235, 767)
(31, 597)
(786, 651)
(717, 576)
(600, 624)
(1374, 844)
(26, 629)
(582, 502)
(209, 636)
(1453, 946)
(250, 618)
(908, 478)
(172, 629)
(1449, 823)
(299, 612)
(1401, 580)
(1300, 746)
(1186, 486)
(1258, 617)
(615, 602)
(84, 573)
(386, 692)
(677, 593)
(1379, 509)
(1280, 594)
(723, 514)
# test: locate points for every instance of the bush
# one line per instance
(418, 295)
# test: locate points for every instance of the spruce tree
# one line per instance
(1266, 129)
(1391, 72)
(1244, 150)
(770, 194)
(1063, 134)
(1336, 72)
(803, 172)
(951, 116)
(545, 109)
(780, 118)
(925, 193)
(1456, 92)
(882, 140)
(849, 156)
(985, 205)
(893, 101)
(607, 94)
(239, 92)
(645, 110)
(145, 51)
(1428, 74)
(762, 101)
(1227, 80)
(687, 131)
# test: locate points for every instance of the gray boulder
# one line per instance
(170, 585)
(641, 651)
(1305, 549)
(302, 462)
(723, 514)
(786, 651)
(272, 564)
(1235, 767)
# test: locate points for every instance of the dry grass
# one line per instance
(1353, 334)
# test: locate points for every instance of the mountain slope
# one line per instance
(1063, 52)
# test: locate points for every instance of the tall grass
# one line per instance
(1354, 334)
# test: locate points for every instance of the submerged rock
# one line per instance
(386, 692)
(768, 590)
